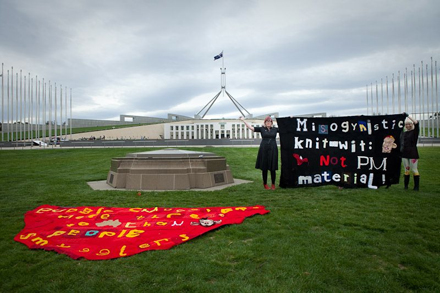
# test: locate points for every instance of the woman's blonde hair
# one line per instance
(409, 121)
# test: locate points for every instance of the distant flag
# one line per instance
(218, 56)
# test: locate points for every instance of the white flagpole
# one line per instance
(34, 108)
(436, 97)
(377, 100)
(392, 80)
(65, 108)
(420, 93)
(55, 121)
(427, 101)
(405, 79)
(39, 110)
(70, 124)
(388, 102)
(366, 87)
(21, 104)
(16, 107)
(50, 112)
(12, 104)
(24, 109)
(29, 112)
(61, 111)
(414, 105)
(381, 93)
(399, 93)
(3, 106)
(432, 98)
(44, 113)
(8, 108)
(422, 97)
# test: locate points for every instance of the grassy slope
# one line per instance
(314, 239)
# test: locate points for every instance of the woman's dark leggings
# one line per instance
(273, 176)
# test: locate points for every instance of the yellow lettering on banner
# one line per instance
(160, 240)
(105, 216)
(122, 233)
(224, 211)
(28, 236)
(180, 210)
(173, 214)
(104, 251)
(137, 210)
(96, 214)
(161, 223)
(43, 210)
(130, 225)
(147, 211)
(56, 233)
(86, 211)
(155, 217)
(83, 224)
(73, 232)
(144, 245)
(194, 216)
(84, 250)
(39, 241)
(184, 237)
(121, 252)
(167, 210)
(147, 224)
(140, 217)
(63, 245)
(70, 225)
(65, 217)
(71, 210)
(134, 233)
(79, 217)
(106, 233)
(208, 210)
(241, 209)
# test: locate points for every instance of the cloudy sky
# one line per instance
(151, 58)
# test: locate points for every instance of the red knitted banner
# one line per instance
(98, 233)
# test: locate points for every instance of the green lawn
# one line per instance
(313, 240)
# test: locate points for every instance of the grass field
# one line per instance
(314, 239)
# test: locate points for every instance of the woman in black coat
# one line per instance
(267, 159)
(410, 154)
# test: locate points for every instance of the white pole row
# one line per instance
(417, 95)
(32, 115)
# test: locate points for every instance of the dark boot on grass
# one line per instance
(416, 182)
(406, 181)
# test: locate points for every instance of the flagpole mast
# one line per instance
(12, 104)
(367, 99)
(432, 97)
(388, 102)
(70, 124)
(65, 112)
(436, 96)
(3, 107)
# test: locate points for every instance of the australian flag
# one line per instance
(218, 56)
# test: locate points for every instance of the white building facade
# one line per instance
(212, 129)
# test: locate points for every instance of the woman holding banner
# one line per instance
(267, 159)
(410, 154)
